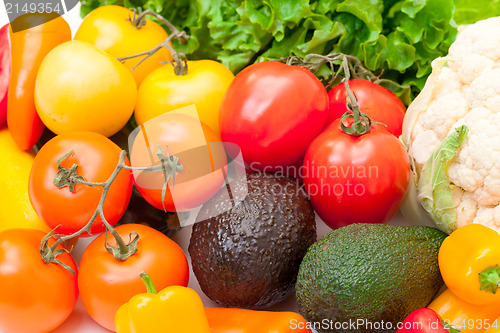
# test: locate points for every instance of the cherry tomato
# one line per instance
(81, 88)
(36, 297)
(353, 179)
(273, 111)
(204, 85)
(96, 157)
(379, 103)
(106, 283)
(200, 152)
(110, 29)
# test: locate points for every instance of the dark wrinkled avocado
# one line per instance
(249, 256)
(369, 273)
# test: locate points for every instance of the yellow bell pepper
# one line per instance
(469, 263)
(15, 169)
(469, 318)
(175, 309)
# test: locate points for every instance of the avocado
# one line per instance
(247, 250)
(368, 277)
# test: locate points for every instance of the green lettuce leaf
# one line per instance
(471, 11)
(434, 191)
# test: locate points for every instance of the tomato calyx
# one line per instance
(170, 166)
(123, 250)
(69, 177)
(179, 59)
(49, 253)
(361, 122)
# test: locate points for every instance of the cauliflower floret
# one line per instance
(476, 169)
(466, 206)
(464, 88)
(485, 86)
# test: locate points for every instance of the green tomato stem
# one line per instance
(179, 60)
(150, 286)
(69, 177)
(361, 122)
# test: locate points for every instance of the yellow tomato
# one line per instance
(204, 85)
(81, 88)
(15, 168)
(110, 29)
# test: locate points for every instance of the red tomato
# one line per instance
(36, 297)
(379, 103)
(356, 179)
(186, 138)
(96, 157)
(273, 111)
(106, 283)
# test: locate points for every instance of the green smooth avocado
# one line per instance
(368, 277)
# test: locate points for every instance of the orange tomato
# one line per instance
(199, 150)
(109, 28)
(96, 157)
(106, 283)
(29, 47)
(36, 297)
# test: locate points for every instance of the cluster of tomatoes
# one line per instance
(281, 117)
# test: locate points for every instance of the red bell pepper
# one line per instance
(424, 321)
(4, 71)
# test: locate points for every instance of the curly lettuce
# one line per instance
(397, 39)
(471, 11)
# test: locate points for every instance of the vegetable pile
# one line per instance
(261, 123)
(398, 38)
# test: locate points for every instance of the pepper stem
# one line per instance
(150, 286)
(489, 279)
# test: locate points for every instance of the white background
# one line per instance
(80, 321)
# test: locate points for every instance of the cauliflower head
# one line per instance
(463, 89)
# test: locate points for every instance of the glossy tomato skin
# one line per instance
(183, 135)
(36, 297)
(97, 157)
(81, 88)
(379, 103)
(109, 28)
(106, 283)
(204, 85)
(273, 111)
(356, 179)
